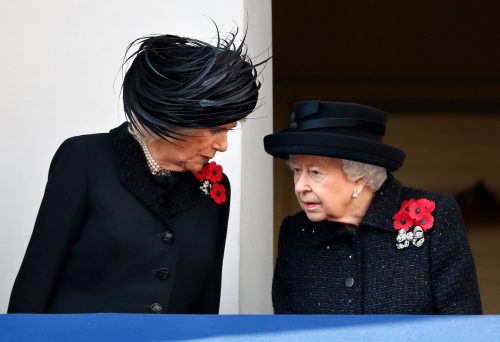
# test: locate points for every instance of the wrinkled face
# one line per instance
(196, 149)
(322, 188)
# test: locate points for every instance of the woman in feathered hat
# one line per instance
(135, 220)
(364, 243)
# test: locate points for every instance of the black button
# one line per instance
(167, 236)
(349, 282)
(156, 308)
(162, 273)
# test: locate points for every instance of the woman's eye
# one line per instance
(315, 173)
(296, 171)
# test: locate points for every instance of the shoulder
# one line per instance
(408, 192)
(447, 215)
(445, 203)
(82, 143)
(86, 141)
(75, 150)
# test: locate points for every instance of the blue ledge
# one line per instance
(133, 327)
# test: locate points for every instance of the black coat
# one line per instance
(325, 268)
(110, 237)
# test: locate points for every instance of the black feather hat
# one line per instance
(184, 82)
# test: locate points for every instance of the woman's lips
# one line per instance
(310, 205)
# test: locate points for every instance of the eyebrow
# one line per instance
(290, 163)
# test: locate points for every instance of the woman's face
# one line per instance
(195, 150)
(322, 188)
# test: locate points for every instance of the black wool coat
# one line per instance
(325, 268)
(110, 237)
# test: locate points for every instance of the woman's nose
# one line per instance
(220, 142)
(301, 184)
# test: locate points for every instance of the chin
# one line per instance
(315, 217)
(194, 167)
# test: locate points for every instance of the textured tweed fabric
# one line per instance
(325, 268)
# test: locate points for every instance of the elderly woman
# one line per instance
(135, 220)
(363, 243)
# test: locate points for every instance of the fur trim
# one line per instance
(134, 174)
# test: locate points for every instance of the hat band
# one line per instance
(340, 123)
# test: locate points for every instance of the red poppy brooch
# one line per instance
(416, 215)
(210, 176)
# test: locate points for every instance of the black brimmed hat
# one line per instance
(336, 129)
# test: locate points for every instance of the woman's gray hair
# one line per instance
(375, 175)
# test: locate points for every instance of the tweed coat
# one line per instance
(325, 268)
(110, 237)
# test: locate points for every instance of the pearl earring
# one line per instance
(355, 194)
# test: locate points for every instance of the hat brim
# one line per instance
(282, 145)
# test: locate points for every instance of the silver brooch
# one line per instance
(205, 187)
(415, 237)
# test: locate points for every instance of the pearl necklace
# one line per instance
(153, 165)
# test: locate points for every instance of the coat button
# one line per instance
(167, 237)
(162, 273)
(349, 282)
(156, 308)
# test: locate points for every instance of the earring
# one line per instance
(355, 193)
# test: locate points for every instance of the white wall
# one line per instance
(256, 263)
(59, 59)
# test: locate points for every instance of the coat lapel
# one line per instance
(384, 205)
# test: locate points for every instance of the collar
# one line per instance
(384, 205)
(134, 175)
(379, 215)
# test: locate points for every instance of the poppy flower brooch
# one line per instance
(416, 215)
(210, 176)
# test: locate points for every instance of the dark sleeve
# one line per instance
(281, 302)
(208, 300)
(58, 222)
(453, 272)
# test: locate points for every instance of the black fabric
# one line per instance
(345, 147)
(98, 243)
(336, 129)
(341, 123)
(318, 261)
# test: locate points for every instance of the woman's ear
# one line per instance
(359, 185)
